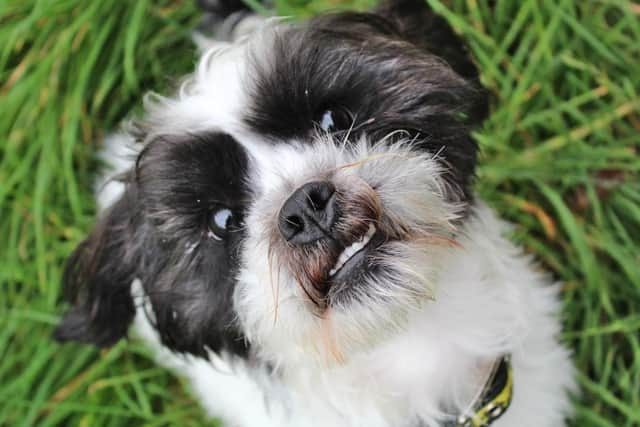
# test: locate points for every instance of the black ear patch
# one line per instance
(416, 22)
(97, 281)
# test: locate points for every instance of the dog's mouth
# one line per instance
(352, 250)
(355, 259)
(348, 252)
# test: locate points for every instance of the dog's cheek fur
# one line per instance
(98, 276)
(191, 301)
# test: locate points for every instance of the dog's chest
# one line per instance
(380, 390)
(306, 397)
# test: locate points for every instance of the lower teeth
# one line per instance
(352, 250)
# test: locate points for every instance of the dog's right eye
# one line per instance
(335, 119)
(221, 221)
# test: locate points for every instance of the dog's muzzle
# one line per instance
(329, 236)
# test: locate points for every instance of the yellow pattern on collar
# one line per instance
(495, 398)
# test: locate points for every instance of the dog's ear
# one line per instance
(419, 24)
(97, 280)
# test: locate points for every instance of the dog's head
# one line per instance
(295, 196)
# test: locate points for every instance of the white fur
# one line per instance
(272, 308)
(496, 303)
(426, 350)
(118, 152)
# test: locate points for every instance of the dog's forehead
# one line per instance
(272, 84)
(311, 69)
(221, 95)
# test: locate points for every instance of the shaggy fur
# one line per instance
(359, 124)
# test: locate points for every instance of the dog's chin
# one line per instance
(369, 301)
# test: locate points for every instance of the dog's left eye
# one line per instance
(221, 221)
(334, 120)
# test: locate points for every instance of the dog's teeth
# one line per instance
(353, 249)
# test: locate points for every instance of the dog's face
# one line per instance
(294, 198)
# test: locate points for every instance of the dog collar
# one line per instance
(494, 399)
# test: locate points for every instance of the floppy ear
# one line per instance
(97, 280)
(419, 24)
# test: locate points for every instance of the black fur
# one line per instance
(181, 180)
(405, 71)
(158, 233)
(97, 280)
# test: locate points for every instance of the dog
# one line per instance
(295, 232)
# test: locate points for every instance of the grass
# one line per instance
(560, 159)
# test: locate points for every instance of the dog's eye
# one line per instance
(221, 221)
(334, 120)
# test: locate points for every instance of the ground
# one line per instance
(560, 159)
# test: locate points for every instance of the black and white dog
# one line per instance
(297, 235)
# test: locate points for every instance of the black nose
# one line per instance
(309, 213)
